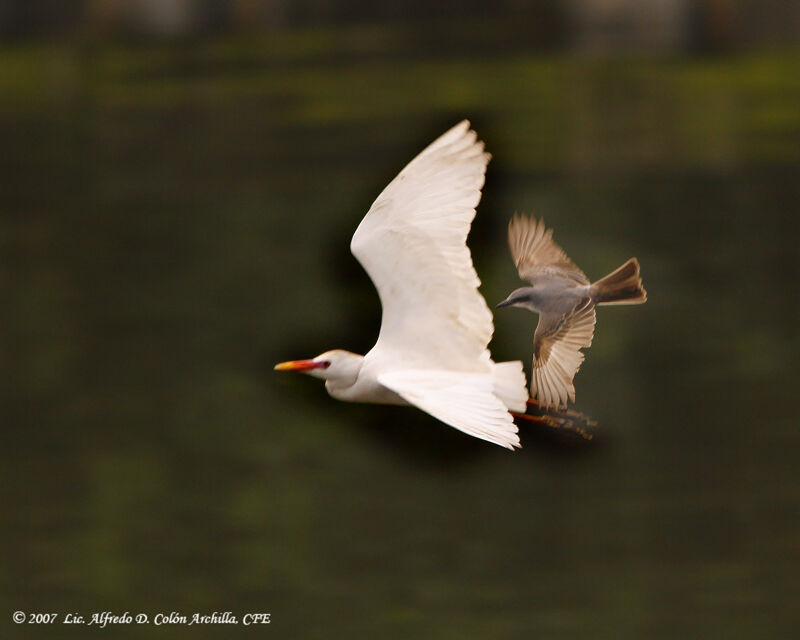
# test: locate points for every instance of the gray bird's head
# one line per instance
(522, 297)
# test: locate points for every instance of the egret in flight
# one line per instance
(432, 346)
(565, 300)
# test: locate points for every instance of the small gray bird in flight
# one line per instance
(565, 300)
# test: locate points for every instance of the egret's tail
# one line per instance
(510, 385)
(623, 286)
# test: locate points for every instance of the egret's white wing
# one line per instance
(412, 243)
(465, 401)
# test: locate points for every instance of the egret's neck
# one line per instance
(342, 372)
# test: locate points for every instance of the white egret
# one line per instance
(432, 346)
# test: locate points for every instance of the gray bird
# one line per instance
(565, 300)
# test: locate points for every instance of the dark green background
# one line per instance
(175, 220)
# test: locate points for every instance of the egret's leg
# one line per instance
(530, 418)
(533, 404)
(558, 422)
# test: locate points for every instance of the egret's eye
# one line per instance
(325, 364)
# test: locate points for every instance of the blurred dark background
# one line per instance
(179, 180)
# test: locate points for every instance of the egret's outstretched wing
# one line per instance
(412, 243)
(557, 356)
(535, 253)
(465, 401)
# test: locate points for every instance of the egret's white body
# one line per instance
(432, 347)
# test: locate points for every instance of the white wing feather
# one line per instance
(465, 401)
(412, 243)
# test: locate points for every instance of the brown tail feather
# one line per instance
(623, 286)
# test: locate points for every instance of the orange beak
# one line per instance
(300, 365)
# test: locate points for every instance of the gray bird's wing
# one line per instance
(536, 254)
(556, 353)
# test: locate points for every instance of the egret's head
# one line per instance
(518, 298)
(331, 365)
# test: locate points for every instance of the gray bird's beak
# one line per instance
(504, 303)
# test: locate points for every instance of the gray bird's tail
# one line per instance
(623, 286)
